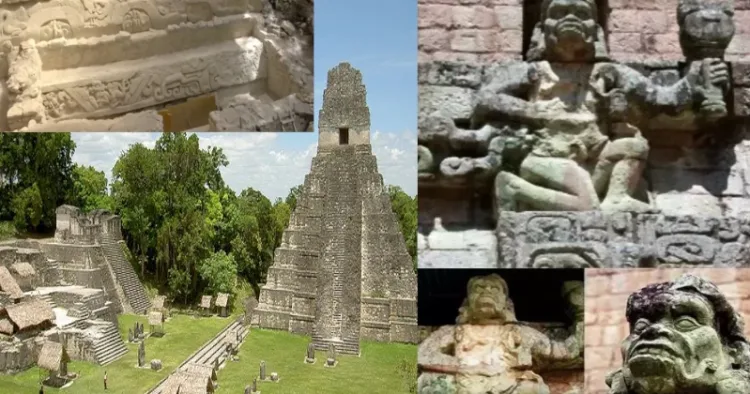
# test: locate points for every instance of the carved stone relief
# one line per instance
(594, 239)
(685, 337)
(489, 351)
(204, 47)
(563, 131)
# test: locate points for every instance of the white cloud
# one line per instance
(262, 161)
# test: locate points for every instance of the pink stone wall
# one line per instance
(481, 31)
(607, 291)
(474, 31)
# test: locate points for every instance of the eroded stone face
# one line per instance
(684, 338)
(570, 29)
(706, 27)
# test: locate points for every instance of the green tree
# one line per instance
(219, 272)
(170, 199)
(281, 215)
(90, 189)
(291, 198)
(406, 211)
(37, 166)
(28, 208)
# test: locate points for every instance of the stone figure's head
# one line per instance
(572, 291)
(684, 338)
(568, 31)
(706, 27)
(486, 302)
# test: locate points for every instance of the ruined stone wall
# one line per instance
(607, 291)
(18, 356)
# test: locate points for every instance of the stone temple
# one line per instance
(342, 272)
(68, 290)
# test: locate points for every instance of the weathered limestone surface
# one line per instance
(573, 158)
(96, 60)
(342, 271)
(607, 292)
(489, 351)
(684, 337)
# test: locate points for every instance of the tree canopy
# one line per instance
(188, 232)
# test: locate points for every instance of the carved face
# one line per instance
(706, 27)
(673, 344)
(486, 299)
(569, 28)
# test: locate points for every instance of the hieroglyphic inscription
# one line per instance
(567, 239)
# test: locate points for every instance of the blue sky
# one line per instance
(380, 39)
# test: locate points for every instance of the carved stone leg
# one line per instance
(618, 174)
(563, 186)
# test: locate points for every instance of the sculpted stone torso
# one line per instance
(488, 351)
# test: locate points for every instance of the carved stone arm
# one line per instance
(653, 98)
(436, 352)
(504, 96)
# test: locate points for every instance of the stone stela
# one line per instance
(342, 271)
(572, 159)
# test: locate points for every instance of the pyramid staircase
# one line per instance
(109, 346)
(48, 299)
(125, 275)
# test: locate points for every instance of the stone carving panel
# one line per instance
(489, 351)
(594, 239)
(57, 28)
(685, 337)
(562, 131)
(145, 87)
(136, 21)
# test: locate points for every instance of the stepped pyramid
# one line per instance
(342, 271)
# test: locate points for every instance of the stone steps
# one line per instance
(215, 349)
(126, 276)
(110, 346)
(48, 299)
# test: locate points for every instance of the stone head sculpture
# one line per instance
(685, 337)
(568, 31)
(486, 302)
(706, 27)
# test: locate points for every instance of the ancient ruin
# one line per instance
(571, 159)
(106, 65)
(685, 337)
(67, 290)
(342, 271)
(489, 351)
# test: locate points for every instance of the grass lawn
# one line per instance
(184, 335)
(379, 369)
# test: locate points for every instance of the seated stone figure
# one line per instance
(685, 337)
(488, 351)
(587, 155)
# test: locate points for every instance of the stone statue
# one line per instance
(488, 351)
(310, 357)
(141, 354)
(331, 356)
(706, 28)
(255, 385)
(685, 337)
(562, 130)
(130, 335)
(262, 370)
